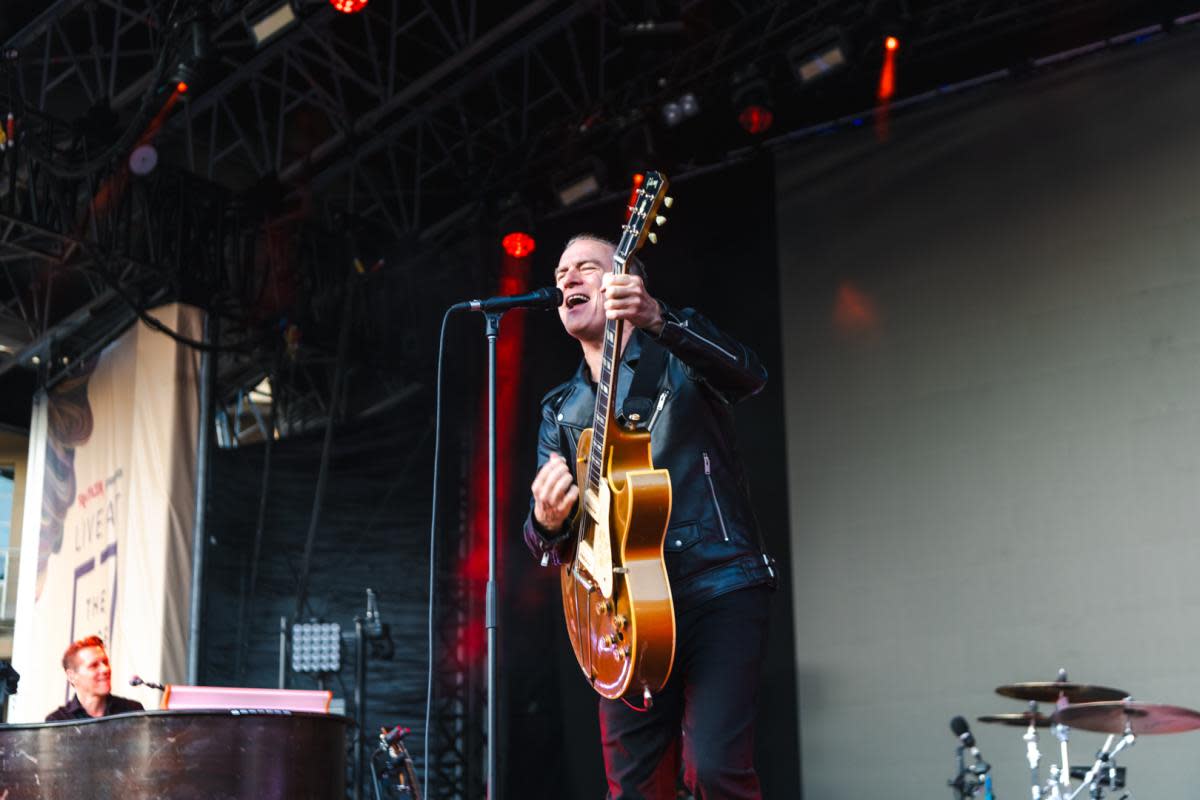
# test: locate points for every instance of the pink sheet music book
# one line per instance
(180, 698)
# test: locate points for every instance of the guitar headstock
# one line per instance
(643, 215)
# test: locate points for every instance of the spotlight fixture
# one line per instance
(651, 27)
(143, 159)
(316, 647)
(274, 23)
(515, 223)
(581, 183)
(196, 53)
(679, 110)
(349, 6)
(752, 102)
(518, 244)
(819, 56)
(891, 43)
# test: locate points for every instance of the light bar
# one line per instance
(272, 24)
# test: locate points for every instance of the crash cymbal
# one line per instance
(1140, 718)
(1021, 720)
(1049, 691)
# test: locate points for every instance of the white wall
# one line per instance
(999, 476)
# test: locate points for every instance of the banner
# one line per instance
(112, 469)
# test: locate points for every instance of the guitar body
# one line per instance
(624, 641)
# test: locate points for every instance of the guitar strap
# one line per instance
(643, 389)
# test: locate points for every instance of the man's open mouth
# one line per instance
(576, 299)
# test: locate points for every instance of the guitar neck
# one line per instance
(635, 231)
(606, 389)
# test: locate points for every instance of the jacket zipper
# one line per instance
(662, 401)
(713, 345)
(713, 491)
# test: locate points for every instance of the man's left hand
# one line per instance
(625, 297)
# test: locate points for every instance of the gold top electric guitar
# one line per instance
(616, 595)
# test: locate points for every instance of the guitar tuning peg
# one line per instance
(660, 219)
(668, 201)
(653, 237)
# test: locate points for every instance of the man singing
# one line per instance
(719, 573)
(88, 672)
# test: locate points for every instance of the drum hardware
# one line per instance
(392, 766)
(1105, 771)
(970, 779)
(1114, 778)
(1062, 692)
(1018, 720)
(1088, 707)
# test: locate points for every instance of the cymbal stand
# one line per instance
(1105, 766)
(1063, 734)
(1032, 754)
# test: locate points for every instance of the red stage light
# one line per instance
(349, 6)
(518, 244)
(181, 87)
(891, 43)
(756, 119)
(638, 180)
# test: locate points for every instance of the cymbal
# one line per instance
(1049, 691)
(1140, 718)
(1022, 719)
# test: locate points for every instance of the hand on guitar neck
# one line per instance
(625, 297)
(554, 494)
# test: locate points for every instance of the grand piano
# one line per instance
(177, 755)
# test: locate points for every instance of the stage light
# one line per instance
(272, 24)
(582, 182)
(316, 647)
(887, 71)
(349, 6)
(679, 110)
(143, 159)
(518, 244)
(819, 56)
(196, 55)
(752, 101)
(756, 119)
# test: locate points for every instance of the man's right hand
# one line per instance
(554, 493)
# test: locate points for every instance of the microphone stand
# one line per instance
(490, 615)
(969, 780)
(493, 310)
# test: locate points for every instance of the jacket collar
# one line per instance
(629, 360)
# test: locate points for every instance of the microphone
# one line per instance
(137, 681)
(545, 298)
(959, 727)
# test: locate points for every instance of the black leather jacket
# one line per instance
(713, 544)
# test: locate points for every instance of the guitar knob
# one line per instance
(607, 640)
(660, 220)
(653, 237)
(668, 201)
(619, 621)
(603, 607)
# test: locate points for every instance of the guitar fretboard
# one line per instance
(631, 236)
